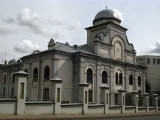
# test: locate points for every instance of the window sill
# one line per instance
(118, 84)
(104, 83)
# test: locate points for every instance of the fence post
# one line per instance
(83, 96)
(135, 100)
(105, 98)
(146, 101)
(20, 90)
(57, 82)
(155, 102)
(121, 99)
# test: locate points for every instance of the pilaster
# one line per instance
(83, 96)
(135, 100)
(155, 102)
(146, 101)
(121, 99)
(57, 94)
(105, 98)
(20, 90)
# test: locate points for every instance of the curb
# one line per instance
(69, 117)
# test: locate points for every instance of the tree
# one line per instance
(148, 86)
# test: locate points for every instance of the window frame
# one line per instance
(46, 73)
(148, 61)
(158, 61)
(89, 75)
(139, 81)
(104, 77)
(120, 79)
(35, 75)
(117, 79)
(154, 61)
(130, 79)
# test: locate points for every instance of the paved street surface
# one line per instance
(145, 116)
(133, 118)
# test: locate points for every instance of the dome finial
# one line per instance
(106, 7)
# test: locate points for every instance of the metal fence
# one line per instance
(129, 99)
(151, 101)
(140, 100)
(45, 92)
(39, 92)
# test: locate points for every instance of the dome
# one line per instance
(106, 14)
(35, 52)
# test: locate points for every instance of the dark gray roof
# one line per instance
(85, 48)
(64, 47)
(13, 61)
(107, 13)
(71, 49)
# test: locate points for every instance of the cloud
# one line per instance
(152, 50)
(25, 19)
(54, 21)
(33, 21)
(26, 46)
(6, 29)
(74, 26)
(66, 25)
(58, 35)
(119, 14)
(9, 20)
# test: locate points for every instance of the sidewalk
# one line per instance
(62, 117)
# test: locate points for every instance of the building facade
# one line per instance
(6, 78)
(106, 60)
(153, 71)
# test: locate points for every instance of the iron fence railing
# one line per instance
(129, 99)
(151, 101)
(39, 92)
(140, 100)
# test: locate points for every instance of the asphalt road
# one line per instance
(129, 118)
(151, 116)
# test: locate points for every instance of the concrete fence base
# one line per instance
(19, 105)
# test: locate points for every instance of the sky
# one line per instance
(28, 25)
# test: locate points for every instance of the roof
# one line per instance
(21, 73)
(65, 47)
(107, 13)
(13, 61)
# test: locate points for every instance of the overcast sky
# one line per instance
(28, 25)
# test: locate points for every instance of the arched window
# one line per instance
(104, 77)
(5, 78)
(46, 73)
(120, 78)
(118, 50)
(130, 80)
(139, 80)
(35, 75)
(116, 78)
(89, 76)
